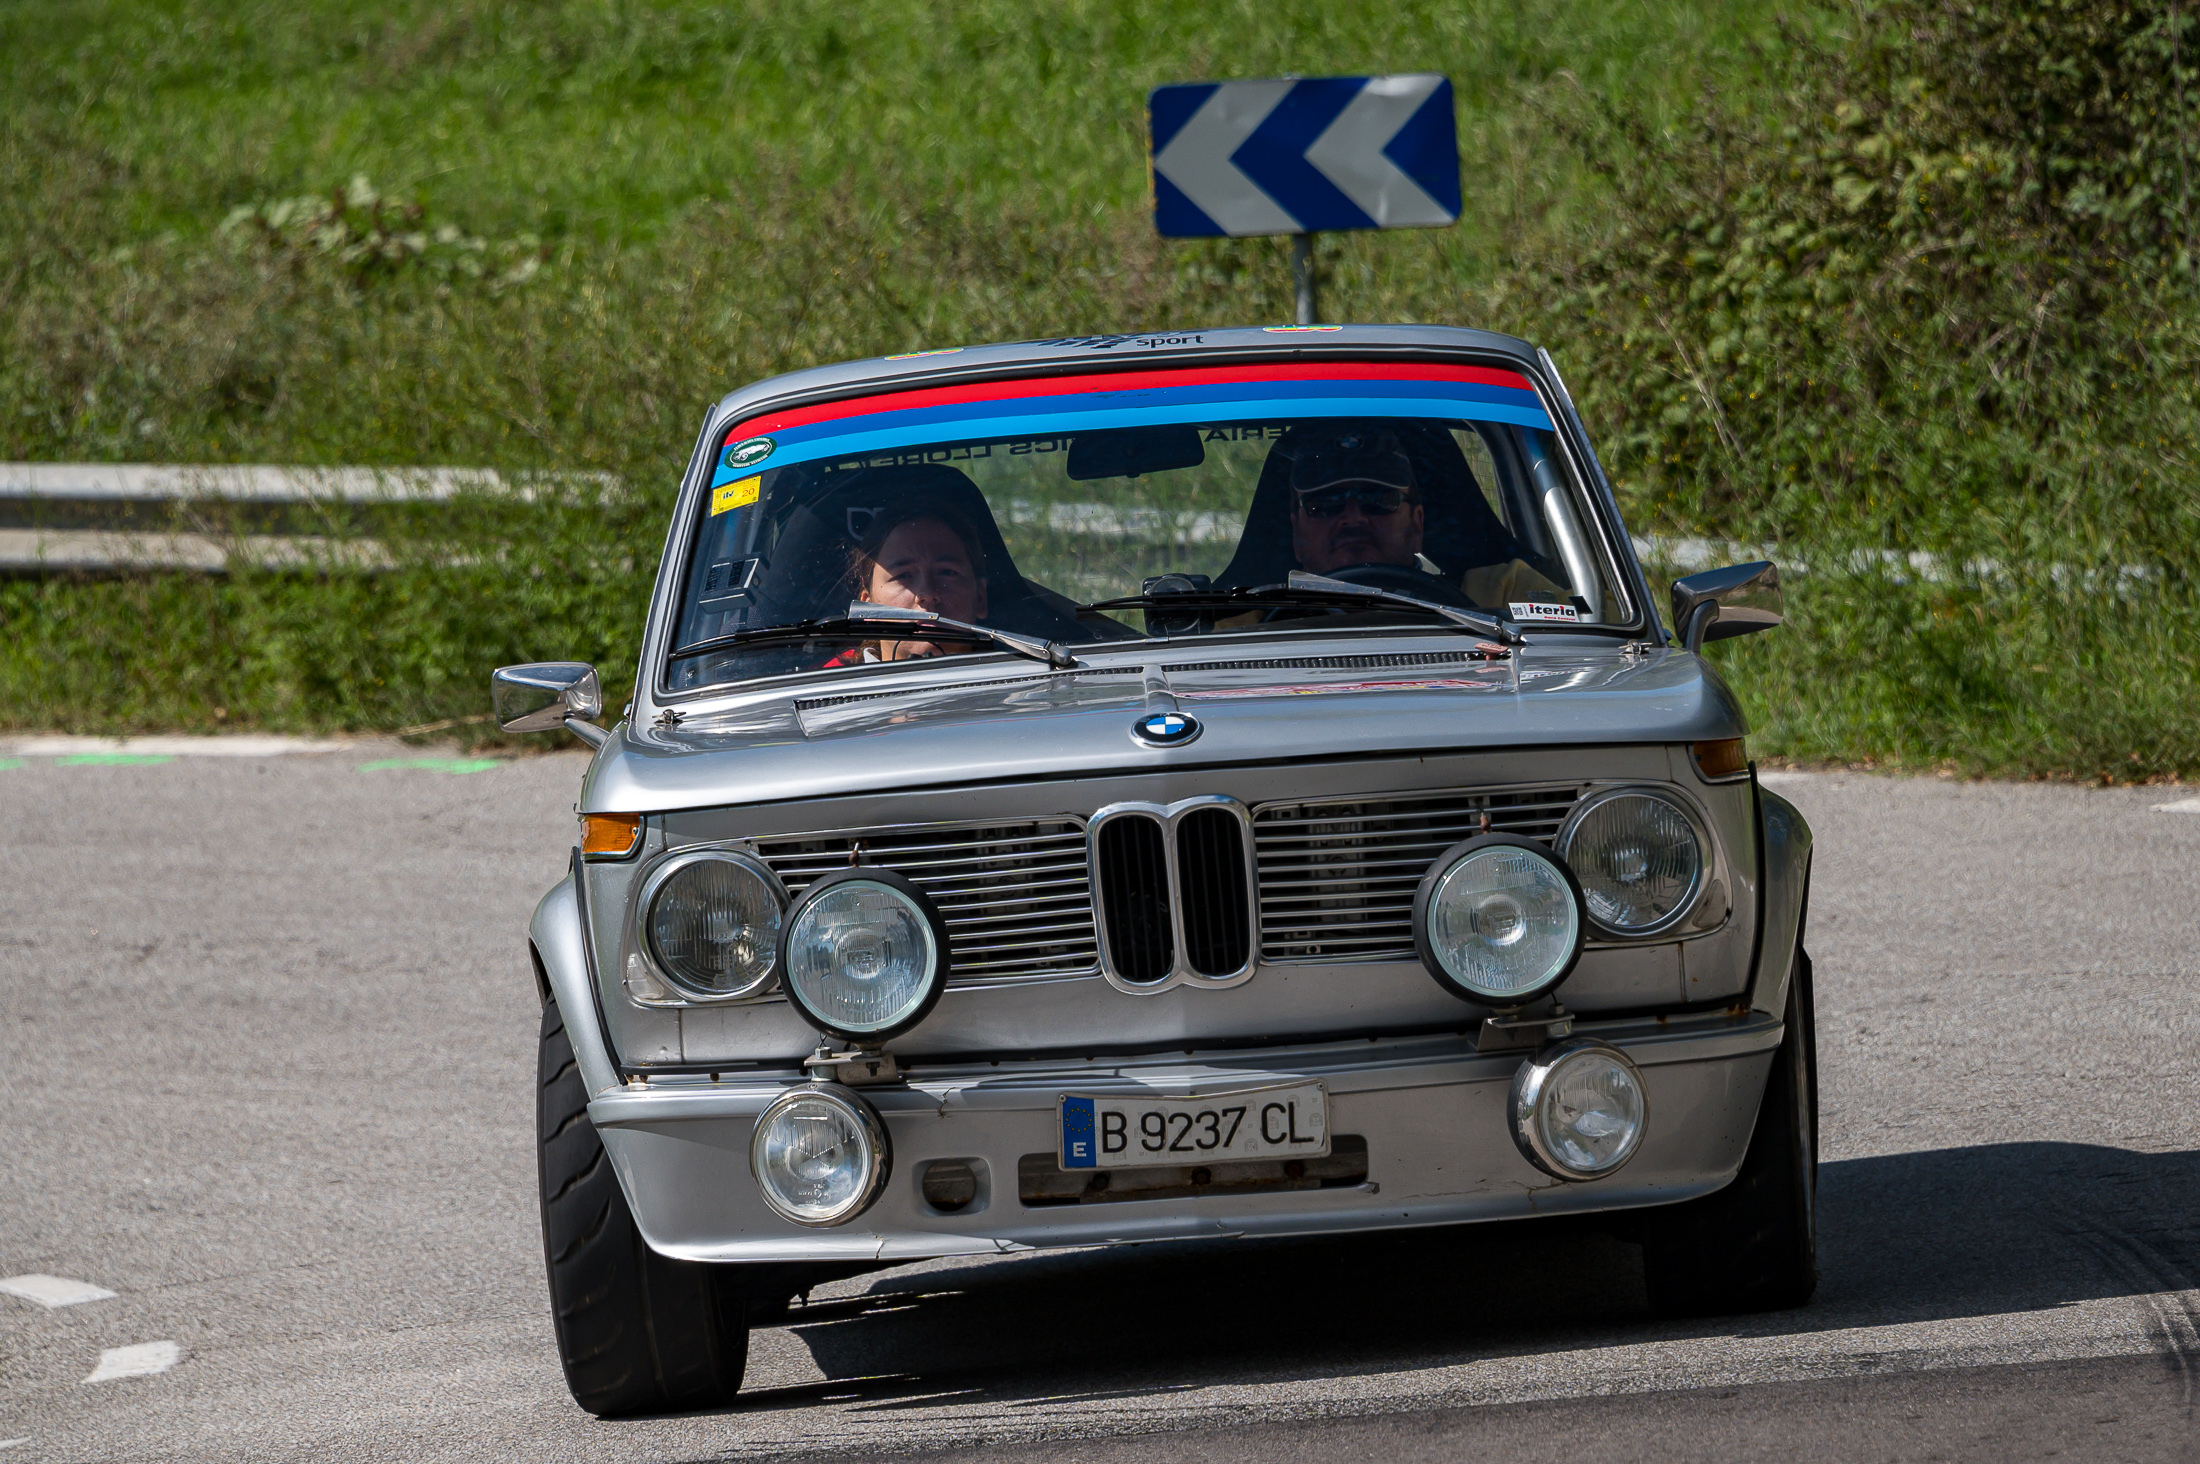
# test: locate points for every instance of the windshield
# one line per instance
(1121, 506)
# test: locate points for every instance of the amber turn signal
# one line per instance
(1726, 758)
(610, 835)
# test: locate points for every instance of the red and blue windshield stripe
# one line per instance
(1051, 405)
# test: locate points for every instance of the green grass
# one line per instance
(1903, 675)
(718, 193)
(607, 121)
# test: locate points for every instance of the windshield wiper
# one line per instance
(866, 619)
(1314, 589)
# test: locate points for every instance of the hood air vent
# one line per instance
(1334, 663)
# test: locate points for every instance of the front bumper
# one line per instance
(1431, 1109)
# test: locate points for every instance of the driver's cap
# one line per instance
(1358, 455)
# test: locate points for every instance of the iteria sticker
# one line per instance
(733, 495)
(1544, 610)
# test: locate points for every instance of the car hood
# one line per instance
(1014, 726)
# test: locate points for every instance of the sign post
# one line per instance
(1301, 157)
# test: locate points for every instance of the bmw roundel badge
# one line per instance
(1166, 729)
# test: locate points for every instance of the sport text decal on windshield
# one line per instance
(1051, 406)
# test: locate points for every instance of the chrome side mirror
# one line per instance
(548, 695)
(1720, 604)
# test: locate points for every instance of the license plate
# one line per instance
(1115, 1132)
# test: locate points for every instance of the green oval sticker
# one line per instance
(748, 454)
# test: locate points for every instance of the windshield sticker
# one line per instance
(1541, 610)
(748, 454)
(1031, 407)
(919, 355)
(734, 495)
(1110, 342)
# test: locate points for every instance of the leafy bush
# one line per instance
(371, 236)
(1929, 285)
(1933, 294)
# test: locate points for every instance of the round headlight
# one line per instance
(1639, 858)
(1579, 1109)
(711, 921)
(864, 956)
(1497, 920)
(819, 1155)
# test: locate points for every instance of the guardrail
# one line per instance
(121, 518)
(104, 518)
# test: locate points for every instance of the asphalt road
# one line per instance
(266, 1046)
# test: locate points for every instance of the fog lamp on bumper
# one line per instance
(820, 1155)
(1579, 1109)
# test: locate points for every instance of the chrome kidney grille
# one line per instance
(1017, 897)
(1175, 892)
(1211, 885)
(1337, 877)
(1132, 857)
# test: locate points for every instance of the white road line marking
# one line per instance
(211, 746)
(138, 1360)
(1779, 776)
(53, 1291)
(2182, 805)
(11, 1443)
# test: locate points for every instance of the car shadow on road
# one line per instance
(1932, 1235)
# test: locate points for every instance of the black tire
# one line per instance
(637, 1333)
(1753, 1246)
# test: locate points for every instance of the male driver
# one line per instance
(1354, 501)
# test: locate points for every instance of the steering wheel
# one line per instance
(1418, 583)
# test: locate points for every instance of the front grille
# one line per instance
(1016, 896)
(1134, 896)
(1337, 878)
(1185, 917)
(1210, 881)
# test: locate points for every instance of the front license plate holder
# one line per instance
(1128, 1130)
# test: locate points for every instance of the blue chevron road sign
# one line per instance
(1297, 157)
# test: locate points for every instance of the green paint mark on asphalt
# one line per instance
(432, 764)
(9, 764)
(112, 760)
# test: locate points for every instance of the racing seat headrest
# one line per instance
(1460, 531)
(815, 552)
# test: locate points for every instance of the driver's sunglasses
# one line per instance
(1376, 500)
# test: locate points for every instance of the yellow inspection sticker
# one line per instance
(734, 495)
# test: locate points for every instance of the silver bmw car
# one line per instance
(1131, 788)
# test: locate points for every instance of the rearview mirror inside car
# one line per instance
(1131, 452)
(1720, 604)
